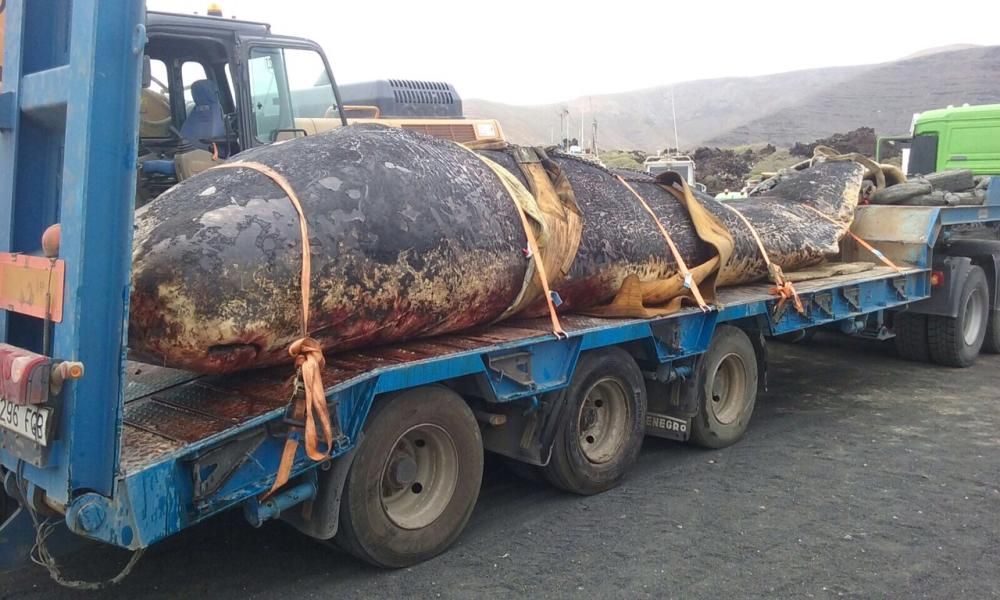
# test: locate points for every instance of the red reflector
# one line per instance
(24, 376)
(937, 278)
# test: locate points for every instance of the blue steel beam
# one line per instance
(73, 69)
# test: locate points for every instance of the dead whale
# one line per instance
(414, 236)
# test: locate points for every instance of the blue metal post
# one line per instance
(68, 155)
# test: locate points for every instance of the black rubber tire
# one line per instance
(707, 430)
(944, 334)
(569, 468)
(911, 336)
(900, 193)
(366, 531)
(991, 343)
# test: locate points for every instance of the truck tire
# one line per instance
(956, 341)
(603, 425)
(728, 391)
(951, 181)
(900, 193)
(415, 478)
(911, 336)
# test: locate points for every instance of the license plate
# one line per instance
(29, 421)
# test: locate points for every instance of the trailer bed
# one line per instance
(167, 411)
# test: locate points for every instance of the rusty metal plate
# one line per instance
(141, 448)
(32, 285)
(171, 422)
(219, 403)
(142, 379)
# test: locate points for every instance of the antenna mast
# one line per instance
(673, 113)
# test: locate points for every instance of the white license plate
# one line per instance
(29, 421)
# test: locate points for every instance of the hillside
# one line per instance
(781, 108)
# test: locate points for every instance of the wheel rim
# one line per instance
(729, 389)
(603, 420)
(972, 323)
(420, 476)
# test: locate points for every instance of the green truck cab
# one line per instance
(957, 137)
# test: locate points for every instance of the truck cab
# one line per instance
(956, 137)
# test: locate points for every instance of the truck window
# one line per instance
(285, 84)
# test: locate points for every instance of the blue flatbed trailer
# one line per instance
(133, 453)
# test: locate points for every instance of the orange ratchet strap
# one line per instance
(864, 244)
(536, 256)
(689, 281)
(783, 289)
(309, 360)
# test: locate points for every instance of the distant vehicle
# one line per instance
(727, 195)
(957, 137)
(681, 164)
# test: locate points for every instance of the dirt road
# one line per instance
(861, 475)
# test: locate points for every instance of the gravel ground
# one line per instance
(861, 475)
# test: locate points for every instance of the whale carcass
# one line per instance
(414, 236)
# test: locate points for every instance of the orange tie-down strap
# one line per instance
(518, 194)
(309, 360)
(878, 254)
(783, 288)
(689, 281)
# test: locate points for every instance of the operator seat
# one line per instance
(205, 123)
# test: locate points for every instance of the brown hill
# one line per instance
(781, 108)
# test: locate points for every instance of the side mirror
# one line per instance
(147, 73)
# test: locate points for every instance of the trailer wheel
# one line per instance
(956, 341)
(911, 336)
(601, 434)
(415, 478)
(728, 393)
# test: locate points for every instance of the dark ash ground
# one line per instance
(861, 475)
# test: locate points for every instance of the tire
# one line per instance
(728, 390)
(415, 478)
(900, 193)
(604, 421)
(951, 181)
(956, 342)
(911, 336)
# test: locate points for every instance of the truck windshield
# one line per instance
(287, 84)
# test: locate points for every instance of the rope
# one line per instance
(783, 288)
(41, 556)
(828, 153)
(308, 354)
(689, 281)
(864, 244)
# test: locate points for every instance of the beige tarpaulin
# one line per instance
(663, 296)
